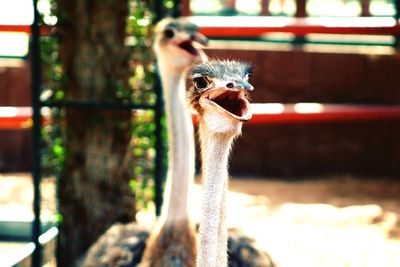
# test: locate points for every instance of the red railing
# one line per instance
(258, 26)
(300, 25)
(21, 117)
(45, 30)
(16, 118)
(316, 112)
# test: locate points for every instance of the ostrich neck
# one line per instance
(180, 144)
(213, 229)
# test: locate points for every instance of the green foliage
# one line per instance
(59, 218)
(140, 24)
(141, 61)
(53, 152)
(143, 155)
(141, 91)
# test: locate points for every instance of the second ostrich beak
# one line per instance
(187, 45)
(200, 38)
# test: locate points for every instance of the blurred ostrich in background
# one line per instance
(173, 241)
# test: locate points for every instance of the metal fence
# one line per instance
(38, 104)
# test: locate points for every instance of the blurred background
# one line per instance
(83, 145)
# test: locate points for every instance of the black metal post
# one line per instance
(160, 151)
(265, 7)
(397, 17)
(159, 172)
(158, 10)
(36, 163)
(185, 8)
(177, 11)
(365, 8)
(301, 12)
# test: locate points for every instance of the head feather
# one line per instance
(222, 69)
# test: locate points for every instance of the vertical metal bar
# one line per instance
(159, 111)
(36, 162)
(158, 10)
(397, 17)
(365, 8)
(301, 12)
(177, 11)
(265, 7)
(185, 7)
(159, 146)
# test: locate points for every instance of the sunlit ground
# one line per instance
(332, 221)
(337, 221)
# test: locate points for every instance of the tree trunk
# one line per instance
(93, 187)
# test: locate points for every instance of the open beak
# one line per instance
(187, 45)
(230, 101)
(200, 38)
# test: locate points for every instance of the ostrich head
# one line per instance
(219, 95)
(174, 43)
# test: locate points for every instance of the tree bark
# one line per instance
(93, 187)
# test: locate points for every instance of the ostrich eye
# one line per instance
(200, 82)
(169, 33)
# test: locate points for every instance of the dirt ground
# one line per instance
(327, 222)
(334, 221)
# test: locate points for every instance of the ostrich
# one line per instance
(219, 96)
(173, 241)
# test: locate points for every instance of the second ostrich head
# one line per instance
(174, 43)
(219, 94)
